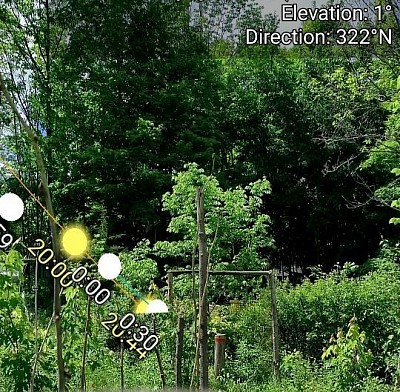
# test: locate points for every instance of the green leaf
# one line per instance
(396, 171)
(395, 221)
(395, 203)
(71, 292)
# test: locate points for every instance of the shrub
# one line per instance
(349, 358)
(311, 312)
(248, 339)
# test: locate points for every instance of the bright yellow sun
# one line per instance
(141, 305)
(74, 241)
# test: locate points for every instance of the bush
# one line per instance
(247, 328)
(310, 313)
(348, 358)
(296, 370)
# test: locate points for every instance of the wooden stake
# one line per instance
(219, 353)
(121, 369)
(203, 305)
(275, 330)
(178, 353)
(170, 278)
(158, 356)
(32, 386)
(85, 344)
(160, 367)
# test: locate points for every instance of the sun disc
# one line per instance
(74, 241)
(11, 207)
(109, 266)
(157, 306)
(141, 307)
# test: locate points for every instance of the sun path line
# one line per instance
(14, 173)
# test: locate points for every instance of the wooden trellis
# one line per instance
(274, 315)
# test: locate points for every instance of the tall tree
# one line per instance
(280, 115)
(137, 99)
(30, 40)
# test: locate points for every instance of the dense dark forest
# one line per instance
(151, 132)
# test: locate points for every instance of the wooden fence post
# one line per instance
(170, 279)
(219, 353)
(121, 365)
(203, 305)
(275, 330)
(178, 353)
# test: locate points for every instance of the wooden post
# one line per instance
(178, 353)
(158, 356)
(203, 306)
(160, 366)
(219, 354)
(275, 330)
(170, 278)
(122, 366)
(85, 345)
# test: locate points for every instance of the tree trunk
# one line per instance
(53, 228)
(170, 288)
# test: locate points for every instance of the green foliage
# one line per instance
(16, 331)
(138, 106)
(125, 111)
(139, 269)
(395, 203)
(137, 374)
(73, 324)
(248, 333)
(296, 370)
(295, 120)
(311, 312)
(349, 357)
(385, 155)
(236, 229)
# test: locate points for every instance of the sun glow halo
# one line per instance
(75, 241)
